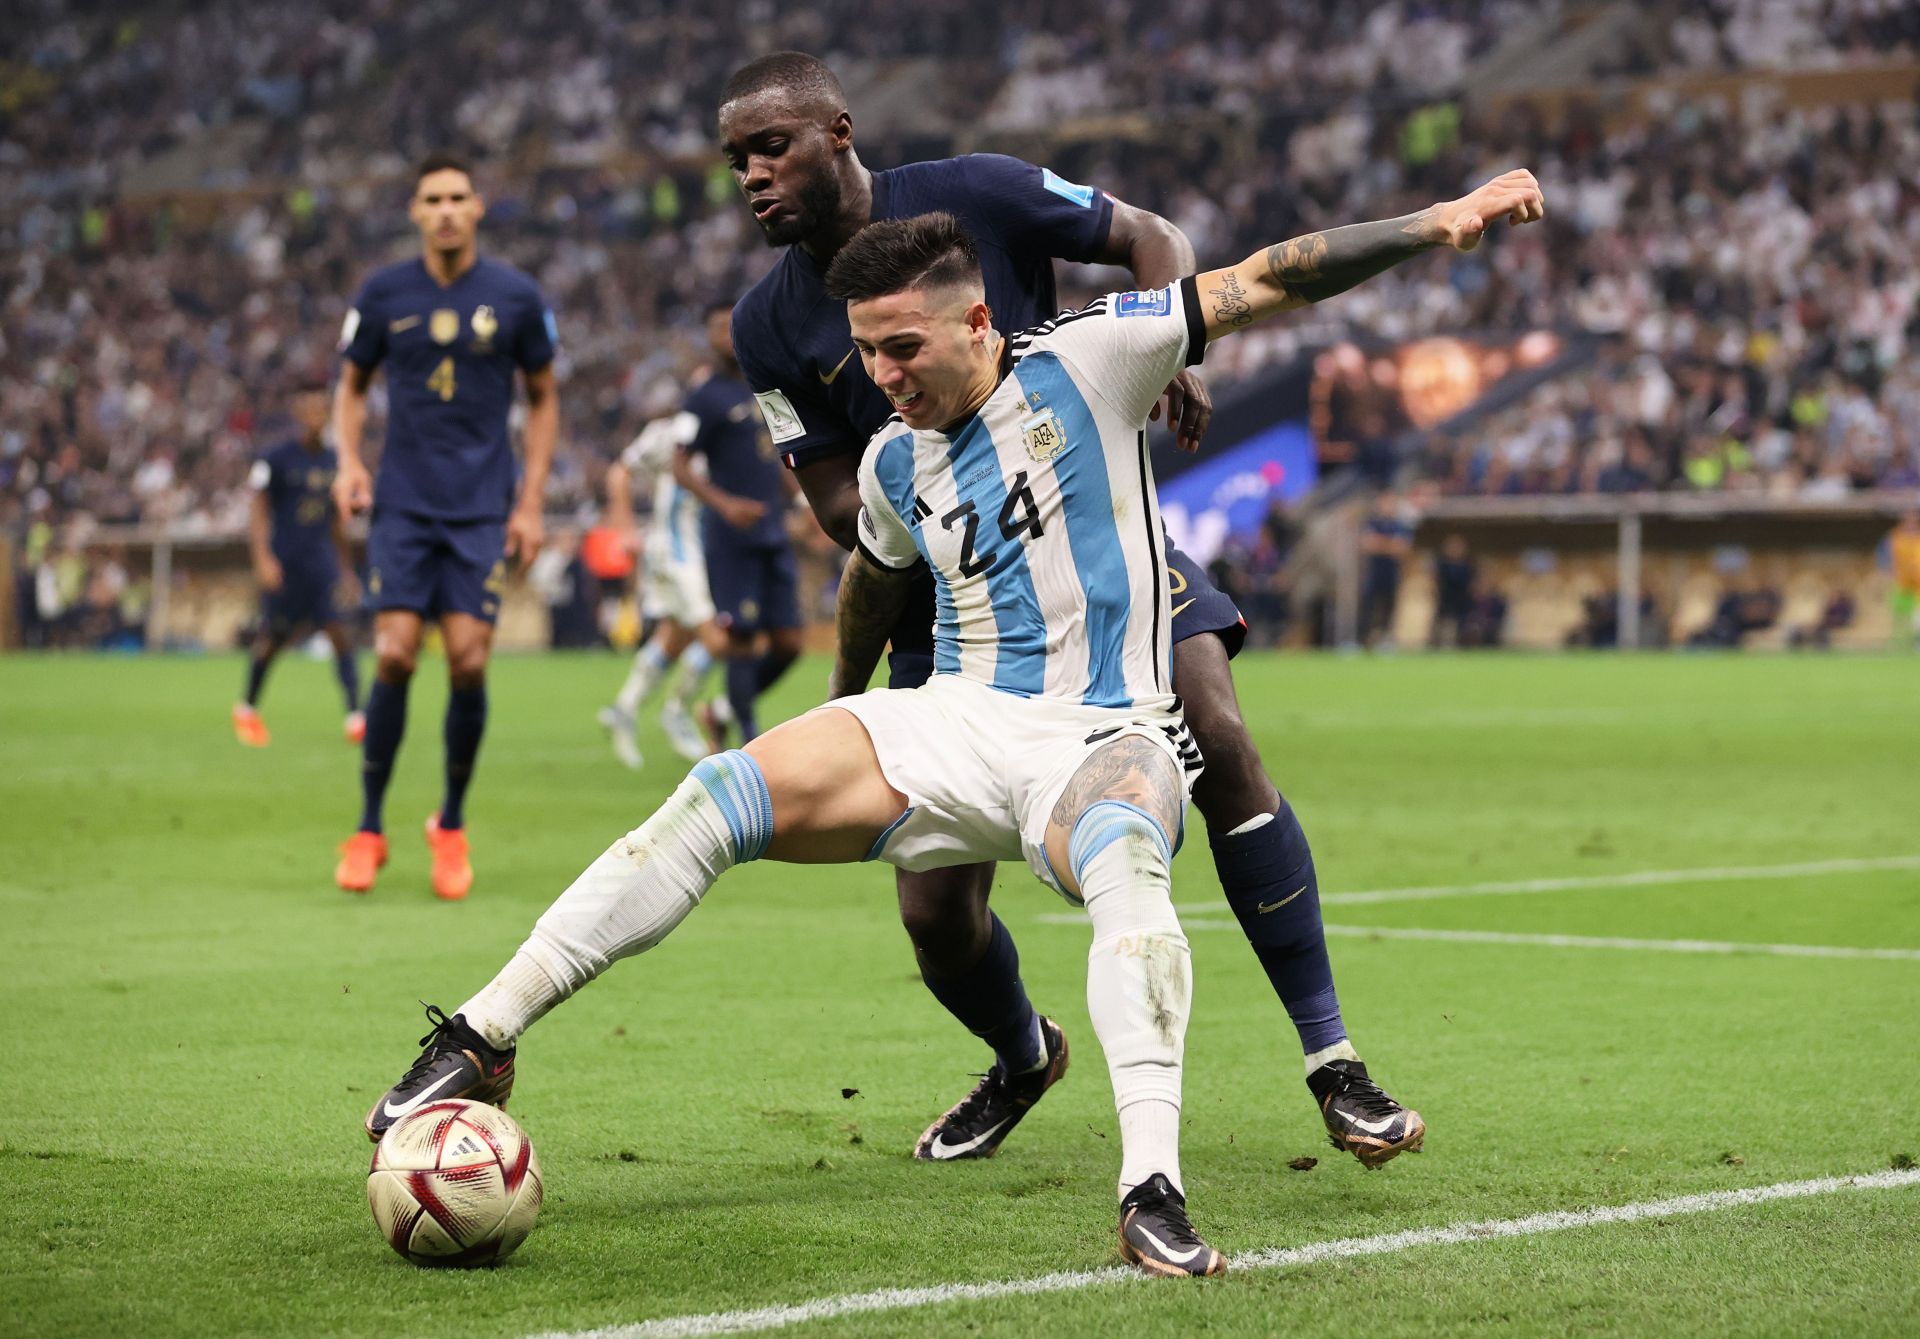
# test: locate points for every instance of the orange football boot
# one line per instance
(355, 727)
(248, 728)
(361, 857)
(452, 871)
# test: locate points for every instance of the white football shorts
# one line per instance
(675, 589)
(982, 769)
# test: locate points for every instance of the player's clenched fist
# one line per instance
(1514, 195)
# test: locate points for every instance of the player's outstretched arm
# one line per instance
(870, 603)
(1320, 265)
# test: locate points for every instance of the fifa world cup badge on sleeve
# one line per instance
(1156, 303)
(783, 422)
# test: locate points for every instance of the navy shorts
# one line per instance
(436, 567)
(1198, 606)
(754, 586)
(305, 598)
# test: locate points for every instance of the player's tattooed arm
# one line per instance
(1319, 265)
(870, 602)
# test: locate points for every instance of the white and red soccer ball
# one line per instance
(455, 1183)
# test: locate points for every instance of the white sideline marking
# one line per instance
(1628, 879)
(1346, 1248)
(1590, 941)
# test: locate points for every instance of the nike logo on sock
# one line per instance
(941, 1149)
(396, 1112)
(1265, 907)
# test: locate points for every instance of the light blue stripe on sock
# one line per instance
(1106, 822)
(739, 790)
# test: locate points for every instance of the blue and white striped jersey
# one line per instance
(674, 537)
(1039, 517)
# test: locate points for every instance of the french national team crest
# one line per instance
(444, 325)
(484, 324)
(1044, 436)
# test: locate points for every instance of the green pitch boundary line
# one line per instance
(1347, 1248)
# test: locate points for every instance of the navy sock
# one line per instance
(347, 670)
(768, 669)
(466, 722)
(743, 677)
(991, 1001)
(256, 676)
(386, 722)
(1270, 884)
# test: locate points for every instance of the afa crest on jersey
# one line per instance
(1043, 435)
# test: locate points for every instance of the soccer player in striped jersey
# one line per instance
(1016, 472)
(674, 596)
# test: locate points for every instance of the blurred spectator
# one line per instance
(1454, 578)
(1739, 613)
(1386, 538)
(1837, 614)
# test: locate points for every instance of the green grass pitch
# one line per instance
(198, 1020)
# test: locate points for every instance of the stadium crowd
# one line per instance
(1755, 276)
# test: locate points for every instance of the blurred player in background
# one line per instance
(674, 599)
(451, 328)
(1904, 549)
(298, 541)
(788, 136)
(750, 562)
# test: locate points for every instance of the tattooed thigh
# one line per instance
(1132, 769)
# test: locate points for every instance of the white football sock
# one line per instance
(649, 663)
(1139, 980)
(633, 895)
(695, 661)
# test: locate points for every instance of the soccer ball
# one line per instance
(455, 1183)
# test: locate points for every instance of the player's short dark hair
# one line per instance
(894, 255)
(788, 71)
(442, 161)
(716, 304)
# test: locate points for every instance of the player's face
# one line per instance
(782, 156)
(310, 412)
(446, 209)
(928, 352)
(720, 334)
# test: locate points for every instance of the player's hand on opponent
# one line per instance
(1513, 195)
(526, 532)
(742, 513)
(1189, 409)
(266, 568)
(352, 488)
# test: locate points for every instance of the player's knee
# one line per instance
(1235, 786)
(944, 913)
(466, 677)
(735, 788)
(1120, 848)
(395, 664)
